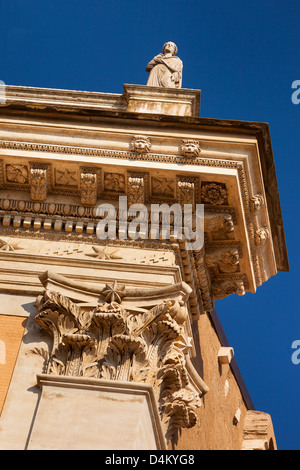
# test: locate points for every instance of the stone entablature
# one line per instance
(57, 185)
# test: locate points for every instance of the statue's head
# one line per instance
(170, 47)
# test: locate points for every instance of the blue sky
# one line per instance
(244, 56)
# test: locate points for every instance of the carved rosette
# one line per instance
(110, 342)
(214, 193)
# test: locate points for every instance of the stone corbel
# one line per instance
(140, 144)
(88, 187)
(186, 191)
(214, 222)
(226, 286)
(38, 182)
(224, 260)
(135, 189)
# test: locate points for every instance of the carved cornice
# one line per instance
(140, 187)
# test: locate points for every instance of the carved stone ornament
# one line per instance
(214, 222)
(117, 340)
(88, 187)
(114, 182)
(140, 144)
(186, 192)
(190, 148)
(261, 235)
(226, 261)
(256, 202)
(17, 174)
(38, 189)
(135, 190)
(213, 193)
(223, 288)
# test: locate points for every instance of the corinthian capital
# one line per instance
(118, 342)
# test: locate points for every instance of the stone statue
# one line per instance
(165, 70)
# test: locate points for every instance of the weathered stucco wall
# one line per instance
(11, 333)
(216, 428)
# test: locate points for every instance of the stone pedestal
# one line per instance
(90, 414)
(155, 100)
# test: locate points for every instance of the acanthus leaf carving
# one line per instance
(110, 341)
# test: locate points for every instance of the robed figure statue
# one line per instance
(166, 68)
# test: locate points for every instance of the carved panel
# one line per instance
(17, 174)
(214, 193)
(114, 182)
(66, 177)
(162, 187)
(223, 260)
